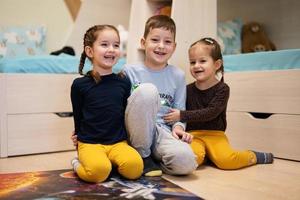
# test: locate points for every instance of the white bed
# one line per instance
(35, 105)
(35, 111)
(264, 105)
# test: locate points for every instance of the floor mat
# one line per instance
(64, 184)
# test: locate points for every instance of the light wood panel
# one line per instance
(38, 162)
(194, 20)
(277, 181)
(73, 6)
(279, 134)
(3, 119)
(275, 91)
(35, 93)
(26, 101)
(38, 133)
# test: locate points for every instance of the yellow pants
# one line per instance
(96, 161)
(215, 145)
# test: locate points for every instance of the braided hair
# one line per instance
(215, 52)
(88, 40)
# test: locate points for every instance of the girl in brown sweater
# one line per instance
(205, 113)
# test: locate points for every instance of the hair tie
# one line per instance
(209, 40)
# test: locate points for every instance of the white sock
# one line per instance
(75, 163)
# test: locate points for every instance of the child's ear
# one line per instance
(88, 51)
(143, 41)
(218, 64)
(175, 44)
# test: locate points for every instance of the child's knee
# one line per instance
(181, 162)
(147, 91)
(226, 162)
(190, 162)
(198, 148)
(97, 173)
(132, 169)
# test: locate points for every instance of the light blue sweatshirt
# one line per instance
(170, 83)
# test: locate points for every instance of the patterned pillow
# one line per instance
(22, 41)
(229, 36)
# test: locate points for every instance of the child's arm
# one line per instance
(74, 139)
(178, 128)
(179, 100)
(76, 100)
(172, 116)
(180, 134)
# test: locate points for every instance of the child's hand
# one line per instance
(172, 116)
(74, 139)
(180, 134)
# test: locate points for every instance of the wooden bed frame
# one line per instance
(35, 113)
(264, 111)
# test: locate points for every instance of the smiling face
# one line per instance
(105, 51)
(202, 66)
(159, 46)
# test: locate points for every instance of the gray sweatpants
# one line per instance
(176, 157)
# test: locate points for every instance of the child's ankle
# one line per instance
(264, 158)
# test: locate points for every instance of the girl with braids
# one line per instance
(99, 99)
(205, 113)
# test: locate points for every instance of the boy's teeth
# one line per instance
(159, 53)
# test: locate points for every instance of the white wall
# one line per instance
(51, 13)
(94, 12)
(281, 18)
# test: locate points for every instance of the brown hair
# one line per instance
(160, 21)
(88, 40)
(215, 52)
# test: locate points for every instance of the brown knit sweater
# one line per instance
(206, 109)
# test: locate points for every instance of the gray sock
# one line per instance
(264, 158)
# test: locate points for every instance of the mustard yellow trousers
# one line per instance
(215, 145)
(96, 161)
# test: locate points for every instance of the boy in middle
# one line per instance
(158, 87)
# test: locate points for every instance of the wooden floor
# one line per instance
(280, 180)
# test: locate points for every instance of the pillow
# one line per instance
(229, 36)
(22, 41)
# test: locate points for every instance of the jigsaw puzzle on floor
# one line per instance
(63, 184)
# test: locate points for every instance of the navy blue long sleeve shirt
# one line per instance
(99, 109)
